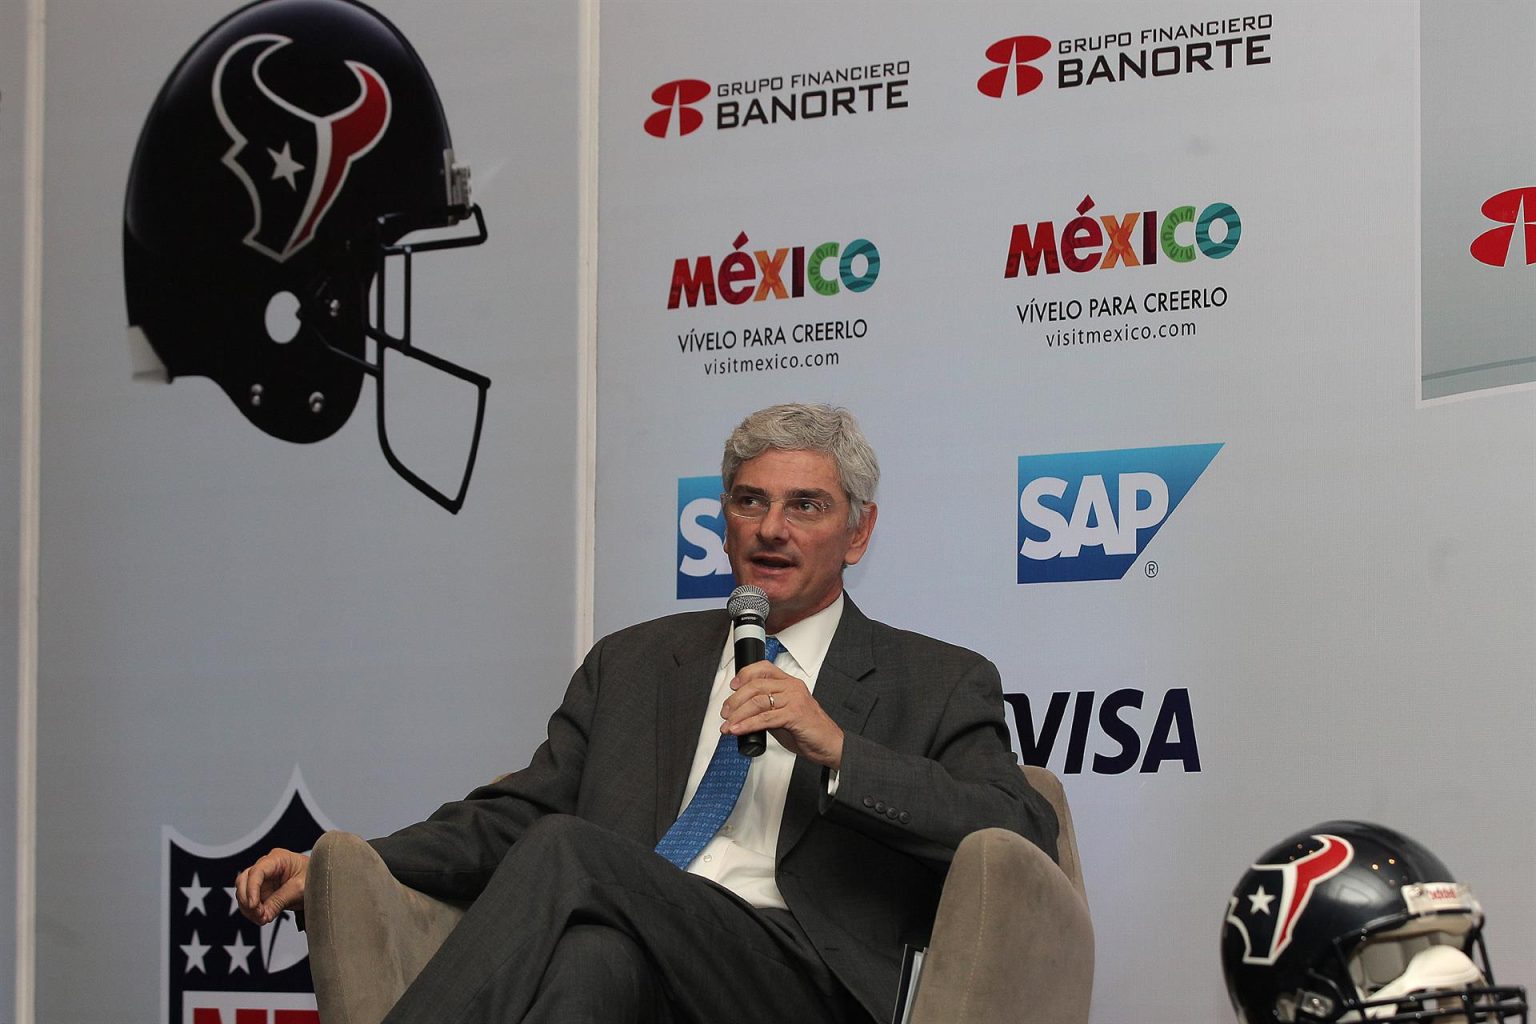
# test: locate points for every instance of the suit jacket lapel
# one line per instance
(845, 692)
(682, 693)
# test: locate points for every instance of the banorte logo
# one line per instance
(1014, 54)
(761, 101)
(1512, 208)
(1135, 54)
(677, 98)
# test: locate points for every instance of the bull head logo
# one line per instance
(292, 163)
(1268, 922)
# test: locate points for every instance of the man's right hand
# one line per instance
(273, 884)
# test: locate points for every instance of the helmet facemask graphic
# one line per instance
(296, 152)
(1351, 922)
(375, 327)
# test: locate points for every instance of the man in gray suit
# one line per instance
(886, 749)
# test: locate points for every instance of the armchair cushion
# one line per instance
(1012, 941)
(369, 936)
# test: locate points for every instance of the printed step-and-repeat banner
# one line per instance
(1194, 342)
(1194, 361)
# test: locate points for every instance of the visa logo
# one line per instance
(1123, 718)
(1088, 515)
(703, 570)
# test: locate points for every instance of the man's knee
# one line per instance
(561, 834)
(562, 850)
(567, 837)
(594, 944)
(601, 969)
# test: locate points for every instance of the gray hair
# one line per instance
(808, 428)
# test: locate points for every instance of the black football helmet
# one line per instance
(283, 162)
(1354, 922)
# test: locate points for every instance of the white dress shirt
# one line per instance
(741, 856)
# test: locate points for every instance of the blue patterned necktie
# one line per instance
(716, 795)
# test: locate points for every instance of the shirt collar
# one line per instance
(807, 641)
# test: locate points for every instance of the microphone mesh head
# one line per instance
(747, 600)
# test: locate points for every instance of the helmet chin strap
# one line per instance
(1436, 968)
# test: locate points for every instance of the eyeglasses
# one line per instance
(800, 509)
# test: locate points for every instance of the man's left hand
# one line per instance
(768, 699)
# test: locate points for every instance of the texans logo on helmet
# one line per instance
(1277, 894)
(219, 967)
(291, 145)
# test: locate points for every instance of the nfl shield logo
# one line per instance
(220, 968)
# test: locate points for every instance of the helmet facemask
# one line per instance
(386, 247)
(1429, 967)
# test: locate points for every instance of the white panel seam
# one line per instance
(586, 340)
(29, 513)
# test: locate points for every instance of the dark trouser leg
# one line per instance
(597, 975)
(714, 958)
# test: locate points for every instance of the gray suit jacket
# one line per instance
(926, 761)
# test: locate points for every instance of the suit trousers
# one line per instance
(579, 924)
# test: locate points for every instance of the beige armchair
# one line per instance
(1012, 943)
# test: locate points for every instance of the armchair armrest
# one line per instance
(1012, 940)
(369, 935)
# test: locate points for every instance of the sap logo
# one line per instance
(1088, 515)
(1170, 738)
(703, 570)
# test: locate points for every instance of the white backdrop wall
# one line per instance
(1325, 619)
(1333, 617)
(220, 608)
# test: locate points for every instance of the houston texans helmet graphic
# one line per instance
(288, 156)
(1349, 921)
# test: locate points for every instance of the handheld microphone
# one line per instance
(748, 609)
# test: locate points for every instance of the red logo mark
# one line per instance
(1014, 54)
(679, 97)
(1305, 874)
(245, 1015)
(1516, 206)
